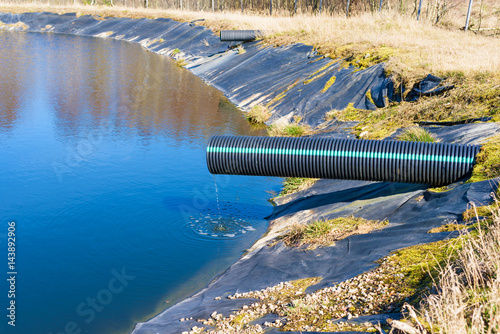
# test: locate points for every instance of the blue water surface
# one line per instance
(102, 169)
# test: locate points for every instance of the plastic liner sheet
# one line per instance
(412, 210)
(294, 81)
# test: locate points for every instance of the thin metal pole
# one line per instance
(270, 7)
(419, 8)
(241, 6)
(320, 3)
(347, 9)
(295, 6)
(468, 15)
(213, 6)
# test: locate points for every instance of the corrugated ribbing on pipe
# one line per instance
(369, 160)
(239, 35)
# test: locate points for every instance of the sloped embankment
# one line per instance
(411, 210)
(293, 80)
(296, 83)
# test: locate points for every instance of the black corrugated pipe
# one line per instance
(435, 164)
(239, 35)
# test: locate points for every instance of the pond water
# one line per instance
(103, 171)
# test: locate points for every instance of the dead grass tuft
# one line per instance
(17, 25)
(241, 49)
(258, 114)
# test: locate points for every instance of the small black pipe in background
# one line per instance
(239, 35)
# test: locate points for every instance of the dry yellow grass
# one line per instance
(258, 114)
(468, 297)
(414, 48)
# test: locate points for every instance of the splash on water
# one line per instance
(218, 226)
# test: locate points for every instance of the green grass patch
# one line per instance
(289, 130)
(348, 114)
(294, 184)
(326, 232)
(417, 134)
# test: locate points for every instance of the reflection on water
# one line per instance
(103, 170)
(149, 97)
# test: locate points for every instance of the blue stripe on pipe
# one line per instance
(357, 154)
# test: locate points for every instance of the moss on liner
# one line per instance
(315, 75)
(448, 228)
(329, 83)
(282, 94)
(487, 161)
(471, 98)
(404, 276)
